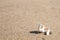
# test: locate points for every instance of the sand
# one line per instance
(19, 17)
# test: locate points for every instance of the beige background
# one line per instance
(19, 17)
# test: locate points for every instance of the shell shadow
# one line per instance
(35, 32)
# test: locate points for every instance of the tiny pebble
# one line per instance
(43, 39)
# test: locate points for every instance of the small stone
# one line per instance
(43, 38)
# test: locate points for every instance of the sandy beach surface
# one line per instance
(19, 17)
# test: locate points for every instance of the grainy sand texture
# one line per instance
(19, 17)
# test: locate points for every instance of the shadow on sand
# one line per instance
(35, 32)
